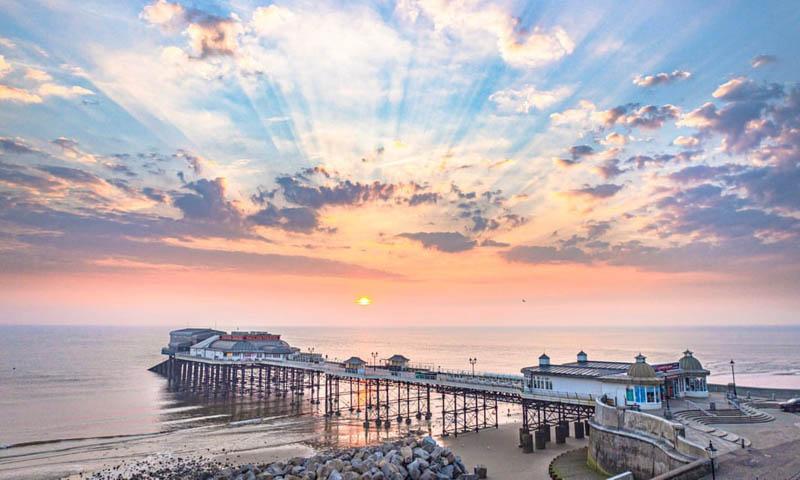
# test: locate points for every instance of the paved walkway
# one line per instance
(781, 462)
(572, 466)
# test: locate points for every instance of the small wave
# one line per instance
(194, 419)
(76, 439)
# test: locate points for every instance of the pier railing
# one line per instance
(481, 381)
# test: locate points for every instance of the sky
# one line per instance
(483, 163)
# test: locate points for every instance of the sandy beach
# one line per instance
(497, 449)
(70, 459)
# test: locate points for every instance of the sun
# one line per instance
(364, 301)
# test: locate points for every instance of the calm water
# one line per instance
(82, 382)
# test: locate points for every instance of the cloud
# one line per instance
(74, 175)
(609, 169)
(745, 89)
(615, 139)
(208, 202)
(739, 120)
(660, 78)
(544, 255)
(684, 141)
(344, 192)
(763, 60)
(634, 115)
(5, 67)
(208, 35)
(423, 198)
(294, 219)
(605, 190)
(519, 47)
(164, 13)
(37, 75)
(450, 242)
(494, 244)
(55, 90)
(527, 99)
(581, 151)
(16, 146)
(18, 95)
(213, 36)
(697, 173)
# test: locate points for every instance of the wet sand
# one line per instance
(498, 450)
(70, 459)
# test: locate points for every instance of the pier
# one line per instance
(384, 394)
(564, 396)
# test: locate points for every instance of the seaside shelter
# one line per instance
(355, 365)
(397, 362)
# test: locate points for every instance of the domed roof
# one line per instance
(641, 369)
(689, 363)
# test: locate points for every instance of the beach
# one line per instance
(495, 448)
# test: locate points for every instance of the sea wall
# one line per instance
(761, 392)
(646, 445)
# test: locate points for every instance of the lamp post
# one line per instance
(473, 361)
(374, 359)
(733, 375)
(710, 449)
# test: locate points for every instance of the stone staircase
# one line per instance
(707, 422)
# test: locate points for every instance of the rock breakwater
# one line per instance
(409, 458)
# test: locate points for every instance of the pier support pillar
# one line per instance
(541, 444)
(578, 429)
(527, 443)
(561, 433)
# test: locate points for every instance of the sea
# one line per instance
(86, 382)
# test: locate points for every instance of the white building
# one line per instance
(243, 346)
(626, 384)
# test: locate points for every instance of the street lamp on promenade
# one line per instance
(711, 449)
(473, 361)
(733, 375)
(374, 359)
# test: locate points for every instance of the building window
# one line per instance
(640, 395)
(542, 383)
(629, 394)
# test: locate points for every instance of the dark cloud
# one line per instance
(16, 146)
(71, 174)
(746, 118)
(546, 255)
(295, 219)
(422, 198)
(19, 176)
(697, 173)
(208, 34)
(345, 192)
(208, 202)
(605, 190)
(155, 194)
(494, 244)
(634, 115)
(580, 151)
(609, 169)
(450, 242)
